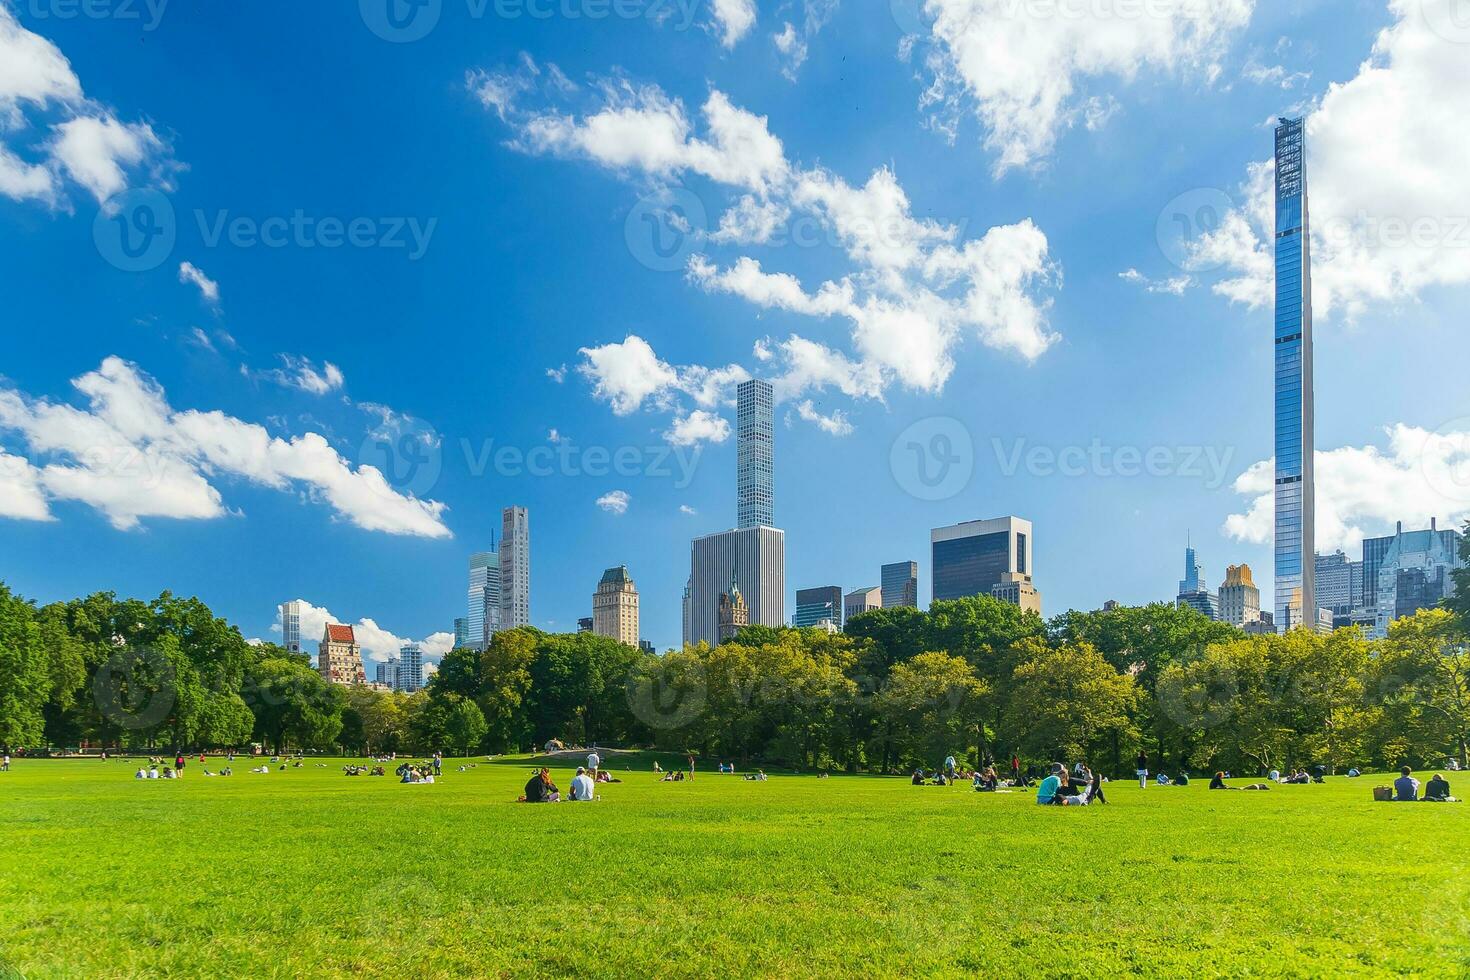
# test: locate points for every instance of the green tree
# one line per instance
(1068, 701)
(931, 709)
(25, 673)
(1423, 680)
(464, 725)
(291, 702)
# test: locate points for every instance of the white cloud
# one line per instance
(615, 501)
(751, 222)
(1390, 205)
(21, 496)
(687, 510)
(1365, 490)
(628, 374)
(1174, 286)
(32, 69)
(302, 374)
(557, 374)
(131, 456)
(1023, 67)
(698, 427)
(97, 151)
(378, 644)
(208, 288)
(734, 19)
(555, 437)
(835, 424)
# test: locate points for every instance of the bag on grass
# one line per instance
(1383, 794)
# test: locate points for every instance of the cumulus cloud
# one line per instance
(1365, 490)
(615, 501)
(698, 427)
(792, 42)
(1390, 204)
(733, 19)
(21, 496)
(50, 132)
(208, 288)
(131, 456)
(629, 374)
(378, 644)
(1024, 68)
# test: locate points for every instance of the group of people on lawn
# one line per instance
(1406, 789)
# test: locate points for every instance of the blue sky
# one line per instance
(954, 220)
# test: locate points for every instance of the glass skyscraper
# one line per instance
(900, 584)
(1296, 594)
(755, 438)
(815, 605)
(484, 599)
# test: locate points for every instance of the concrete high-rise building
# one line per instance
(971, 559)
(900, 585)
(1296, 595)
(1415, 573)
(615, 606)
(461, 632)
(814, 606)
(339, 657)
(1335, 576)
(386, 674)
(755, 430)
(757, 555)
(515, 568)
(409, 676)
(860, 601)
(733, 612)
(291, 625)
(484, 619)
(1194, 593)
(1240, 600)
(1018, 591)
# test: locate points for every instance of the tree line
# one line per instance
(976, 678)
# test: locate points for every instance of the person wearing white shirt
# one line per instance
(594, 761)
(583, 789)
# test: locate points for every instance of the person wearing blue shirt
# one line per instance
(1406, 787)
(1046, 794)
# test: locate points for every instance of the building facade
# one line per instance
(291, 625)
(733, 612)
(900, 585)
(461, 632)
(1296, 597)
(339, 658)
(409, 676)
(615, 606)
(1416, 573)
(860, 601)
(1240, 600)
(815, 606)
(515, 568)
(1194, 593)
(1335, 576)
(757, 556)
(483, 620)
(386, 674)
(971, 559)
(755, 428)
(1018, 591)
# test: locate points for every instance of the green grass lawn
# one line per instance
(309, 872)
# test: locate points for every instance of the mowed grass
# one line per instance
(309, 872)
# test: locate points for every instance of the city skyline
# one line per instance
(286, 427)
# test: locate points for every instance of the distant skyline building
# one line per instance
(409, 676)
(687, 585)
(973, 558)
(484, 617)
(733, 612)
(1335, 575)
(291, 625)
(1296, 596)
(1240, 599)
(339, 657)
(1194, 592)
(584, 625)
(900, 584)
(386, 674)
(615, 607)
(860, 601)
(461, 632)
(813, 606)
(1018, 591)
(515, 568)
(755, 428)
(1415, 573)
(757, 555)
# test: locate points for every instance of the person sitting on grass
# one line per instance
(583, 790)
(1437, 790)
(1218, 782)
(918, 778)
(1049, 792)
(1163, 779)
(1406, 787)
(657, 767)
(541, 789)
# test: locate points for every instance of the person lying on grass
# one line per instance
(759, 776)
(677, 776)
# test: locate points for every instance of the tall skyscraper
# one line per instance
(860, 601)
(615, 606)
(1335, 576)
(461, 632)
(900, 585)
(1296, 594)
(291, 625)
(687, 584)
(755, 428)
(758, 557)
(973, 558)
(1193, 592)
(485, 617)
(409, 676)
(1240, 600)
(339, 658)
(816, 605)
(515, 568)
